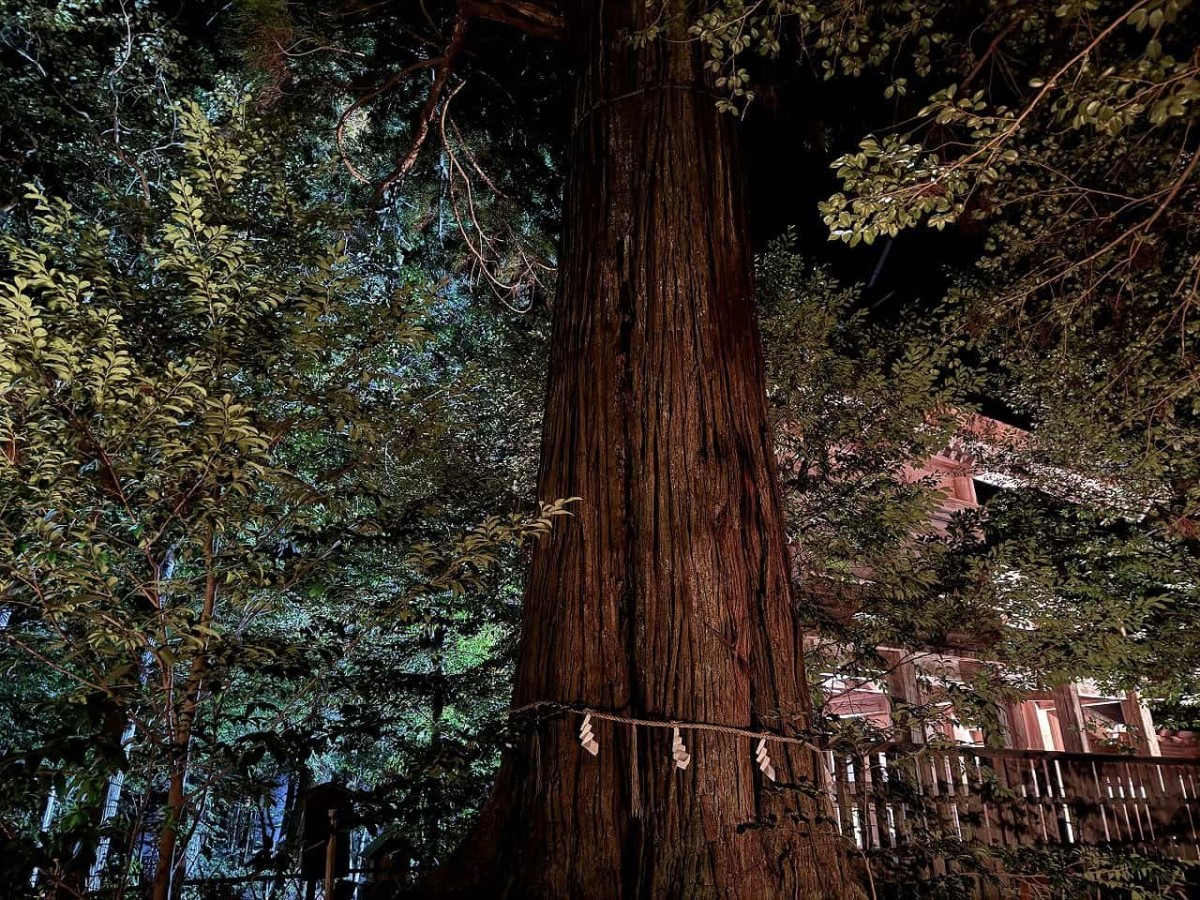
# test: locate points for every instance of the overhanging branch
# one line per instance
(453, 49)
(535, 17)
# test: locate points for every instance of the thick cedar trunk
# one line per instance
(667, 596)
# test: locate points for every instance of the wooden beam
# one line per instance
(535, 17)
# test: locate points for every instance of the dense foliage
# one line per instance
(227, 452)
(264, 480)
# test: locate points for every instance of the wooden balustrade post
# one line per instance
(1071, 720)
(903, 686)
(1016, 729)
(1140, 724)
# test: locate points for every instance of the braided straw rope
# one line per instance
(664, 723)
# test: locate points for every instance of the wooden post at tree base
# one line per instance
(331, 854)
(1070, 719)
(1140, 724)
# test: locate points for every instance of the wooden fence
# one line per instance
(895, 796)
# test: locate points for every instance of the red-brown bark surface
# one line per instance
(667, 596)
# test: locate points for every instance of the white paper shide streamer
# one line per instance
(586, 739)
(678, 751)
(764, 760)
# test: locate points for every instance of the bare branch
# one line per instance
(367, 98)
(453, 49)
(990, 52)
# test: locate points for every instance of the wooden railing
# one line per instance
(894, 796)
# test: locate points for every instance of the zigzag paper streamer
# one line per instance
(679, 752)
(586, 739)
(764, 760)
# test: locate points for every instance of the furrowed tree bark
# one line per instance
(668, 595)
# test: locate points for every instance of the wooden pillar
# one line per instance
(998, 733)
(964, 489)
(1141, 725)
(904, 688)
(1070, 719)
(1016, 728)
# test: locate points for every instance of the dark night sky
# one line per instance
(790, 137)
(789, 140)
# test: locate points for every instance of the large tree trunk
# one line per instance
(668, 595)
